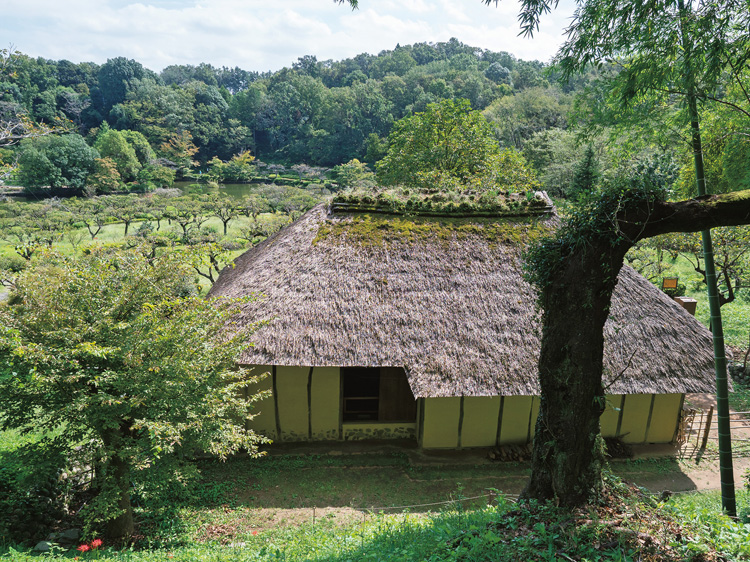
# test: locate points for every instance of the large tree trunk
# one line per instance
(117, 475)
(568, 456)
(121, 527)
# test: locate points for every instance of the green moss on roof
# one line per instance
(377, 230)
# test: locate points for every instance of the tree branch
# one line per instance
(693, 215)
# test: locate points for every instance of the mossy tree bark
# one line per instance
(567, 455)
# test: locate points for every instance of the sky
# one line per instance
(263, 35)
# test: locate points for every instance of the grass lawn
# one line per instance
(262, 510)
(735, 315)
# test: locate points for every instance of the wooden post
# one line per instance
(708, 428)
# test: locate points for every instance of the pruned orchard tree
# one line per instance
(731, 253)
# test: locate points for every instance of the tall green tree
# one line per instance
(115, 79)
(56, 161)
(449, 144)
(586, 174)
(113, 144)
(113, 354)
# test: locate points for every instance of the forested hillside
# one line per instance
(321, 113)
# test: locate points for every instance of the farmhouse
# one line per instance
(407, 326)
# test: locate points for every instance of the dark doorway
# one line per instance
(377, 394)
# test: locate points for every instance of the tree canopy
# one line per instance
(124, 369)
(450, 145)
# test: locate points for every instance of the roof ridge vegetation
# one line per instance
(400, 200)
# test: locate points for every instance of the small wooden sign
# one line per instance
(669, 282)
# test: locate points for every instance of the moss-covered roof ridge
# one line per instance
(442, 203)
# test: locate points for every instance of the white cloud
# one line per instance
(261, 35)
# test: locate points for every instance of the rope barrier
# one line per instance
(429, 504)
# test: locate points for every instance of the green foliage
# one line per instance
(33, 486)
(401, 200)
(239, 169)
(353, 174)
(447, 140)
(56, 161)
(498, 74)
(450, 147)
(663, 45)
(517, 118)
(108, 353)
(143, 151)
(105, 178)
(114, 144)
(153, 176)
(553, 154)
(703, 512)
(12, 263)
(726, 152)
(586, 174)
(593, 221)
(116, 78)
(322, 114)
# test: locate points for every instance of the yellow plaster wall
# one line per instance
(611, 415)
(325, 403)
(291, 386)
(264, 421)
(664, 418)
(440, 425)
(479, 427)
(514, 425)
(635, 412)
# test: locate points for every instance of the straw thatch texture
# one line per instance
(446, 303)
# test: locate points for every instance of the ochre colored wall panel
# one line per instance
(291, 385)
(479, 428)
(325, 403)
(611, 415)
(664, 418)
(635, 417)
(514, 426)
(264, 421)
(440, 429)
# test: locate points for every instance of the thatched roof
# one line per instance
(445, 300)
